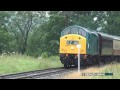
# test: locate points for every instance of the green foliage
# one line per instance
(34, 53)
(44, 55)
(111, 68)
(21, 24)
(5, 37)
(21, 63)
(113, 23)
(32, 33)
(46, 38)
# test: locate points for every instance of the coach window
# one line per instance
(109, 44)
(104, 43)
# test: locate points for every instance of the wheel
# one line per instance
(66, 66)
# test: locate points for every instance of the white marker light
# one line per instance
(72, 48)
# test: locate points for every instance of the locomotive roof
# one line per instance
(103, 34)
(89, 31)
(76, 26)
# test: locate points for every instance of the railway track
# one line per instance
(38, 74)
(41, 74)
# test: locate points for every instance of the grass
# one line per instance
(108, 68)
(22, 63)
(111, 68)
(76, 75)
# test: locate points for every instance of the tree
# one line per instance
(5, 37)
(34, 33)
(46, 39)
(22, 24)
(112, 25)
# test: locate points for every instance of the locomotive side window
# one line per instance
(82, 32)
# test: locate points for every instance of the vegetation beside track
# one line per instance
(21, 63)
(113, 68)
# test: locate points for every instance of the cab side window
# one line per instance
(82, 32)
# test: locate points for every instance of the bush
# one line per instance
(34, 53)
(44, 55)
(54, 58)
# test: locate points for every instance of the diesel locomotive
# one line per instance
(96, 47)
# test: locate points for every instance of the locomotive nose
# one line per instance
(69, 44)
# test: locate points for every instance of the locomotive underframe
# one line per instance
(86, 60)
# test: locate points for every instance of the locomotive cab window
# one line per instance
(74, 30)
(67, 31)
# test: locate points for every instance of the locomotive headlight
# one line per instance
(72, 48)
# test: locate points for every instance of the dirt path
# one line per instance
(76, 75)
